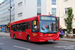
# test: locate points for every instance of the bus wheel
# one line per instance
(14, 36)
(28, 38)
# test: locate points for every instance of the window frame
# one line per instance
(54, 13)
(20, 14)
(66, 10)
(38, 11)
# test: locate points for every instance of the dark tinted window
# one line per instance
(23, 28)
(20, 27)
(17, 27)
(28, 25)
(11, 27)
(14, 27)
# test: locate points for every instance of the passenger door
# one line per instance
(35, 28)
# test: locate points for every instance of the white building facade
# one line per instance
(29, 8)
(5, 12)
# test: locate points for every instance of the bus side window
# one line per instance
(28, 25)
(17, 27)
(35, 26)
(14, 27)
(20, 27)
(11, 27)
(23, 27)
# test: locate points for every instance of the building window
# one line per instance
(38, 7)
(38, 11)
(19, 14)
(66, 10)
(53, 2)
(19, 4)
(54, 11)
(39, 3)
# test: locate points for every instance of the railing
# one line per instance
(71, 35)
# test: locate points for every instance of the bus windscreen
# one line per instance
(48, 24)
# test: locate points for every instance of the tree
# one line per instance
(68, 20)
(9, 23)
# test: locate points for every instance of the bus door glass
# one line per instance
(35, 28)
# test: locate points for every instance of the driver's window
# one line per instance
(35, 26)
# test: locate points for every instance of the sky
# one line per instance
(1, 1)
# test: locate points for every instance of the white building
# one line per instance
(5, 12)
(29, 8)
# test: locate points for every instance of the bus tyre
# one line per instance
(28, 38)
(14, 36)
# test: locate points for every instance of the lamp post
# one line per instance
(10, 14)
(10, 11)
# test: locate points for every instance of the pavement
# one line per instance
(4, 34)
(67, 39)
(60, 39)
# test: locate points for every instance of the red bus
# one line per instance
(40, 28)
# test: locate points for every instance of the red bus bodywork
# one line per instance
(34, 36)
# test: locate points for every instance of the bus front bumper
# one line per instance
(55, 38)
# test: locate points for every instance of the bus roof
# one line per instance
(29, 19)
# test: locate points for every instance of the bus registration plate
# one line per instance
(50, 40)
